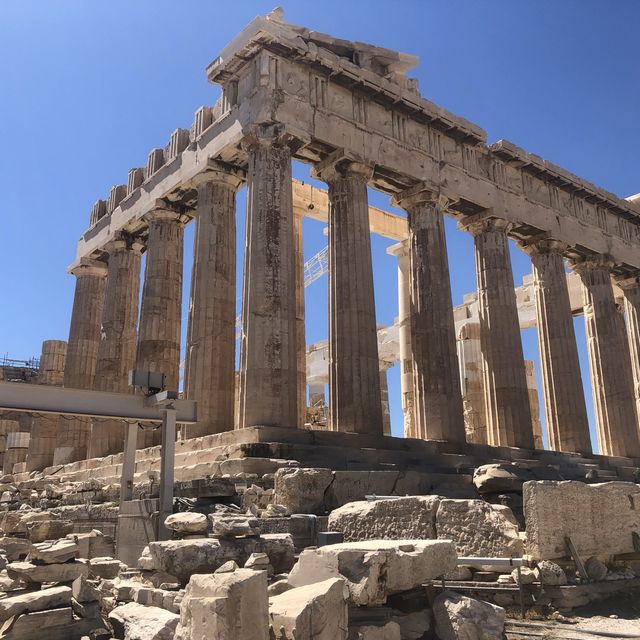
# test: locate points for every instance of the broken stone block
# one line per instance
(106, 568)
(302, 490)
(29, 572)
(51, 598)
(93, 544)
(134, 621)
(278, 587)
(460, 618)
(315, 612)
(500, 478)
(229, 606)
(146, 561)
(84, 591)
(15, 548)
(527, 576)
(229, 526)
(376, 568)
(258, 562)
(187, 523)
(407, 518)
(183, 558)
(584, 512)
(53, 624)
(53, 552)
(551, 574)
(596, 570)
(478, 529)
(42, 530)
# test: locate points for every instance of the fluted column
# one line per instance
(631, 290)
(609, 360)
(301, 342)
(82, 355)
(436, 379)
(118, 338)
(507, 408)
(564, 403)
(268, 359)
(384, 395)
(44, 428)
(211, 335)
(354, 379)
(160, 314)
(401, 251)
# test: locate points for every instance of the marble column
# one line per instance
(384, 395)
(211, 334)
(354, 379)
(44, 428)
(268, 356)
(472, 382)
(401, 251)
(508, 414)
(436, 377)
(301, 342)
(82, 355)
(160, 314)
(609, 360)
(118, 337)
(564, 403)
(631, 291)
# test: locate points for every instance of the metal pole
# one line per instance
(167, 463)
(129, 462)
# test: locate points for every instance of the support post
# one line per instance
(129, 462)
(167, 463)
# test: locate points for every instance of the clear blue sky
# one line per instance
(88, 88)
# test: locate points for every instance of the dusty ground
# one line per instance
(588, 623)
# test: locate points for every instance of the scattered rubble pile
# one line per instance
(405, 567)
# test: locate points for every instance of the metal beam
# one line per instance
(97, 404)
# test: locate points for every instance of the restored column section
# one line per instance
(211, 336)
(436, 378)
(354, 379)
(82, 355)
(117, 349)
(301, 342)
(507, 408)
(631, 290)
(565, 408)
(44, 428)
(609, 360)
(401, 251)
(159, 331)
(268, 364)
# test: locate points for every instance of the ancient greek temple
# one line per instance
(351, 112)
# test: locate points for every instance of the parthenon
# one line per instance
(351, 112)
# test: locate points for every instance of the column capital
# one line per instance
(421, 193)
(592, 263)
(628, 281)
(89, 267)
(123, 241)
(483, 222)
(399, 249)
(542, 244)
(162, 211)
(341, 164)
(266, 136)
(220, 173)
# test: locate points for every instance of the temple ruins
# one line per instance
(296, 514)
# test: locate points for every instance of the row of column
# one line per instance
(103, 344)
